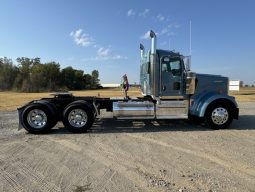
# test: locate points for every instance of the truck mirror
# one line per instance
(187, 62)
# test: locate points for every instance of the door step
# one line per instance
(172, 110)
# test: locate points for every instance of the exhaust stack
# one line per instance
(154, 67)
(153, 42)
(142, 50)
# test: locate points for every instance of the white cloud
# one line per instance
(110, 57)
(81, 39)
(146, 35)
(103, 52)
(166, 31)
(163, 31)
(130, 13)
(144, 13)
(160, 17)
(174, 25)
(170, 33)
(169, 30)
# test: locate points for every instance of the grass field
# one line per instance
(12, 100)
(245, 94)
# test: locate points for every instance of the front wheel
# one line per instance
(218, 115)
(78, 117)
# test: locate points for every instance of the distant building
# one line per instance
(234, 85)
(110, 85)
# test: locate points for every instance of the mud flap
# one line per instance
(236, 113)
(20, 110)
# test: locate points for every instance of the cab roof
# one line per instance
(161, 53)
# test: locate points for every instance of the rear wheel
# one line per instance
(78, 117)
(218, 115)
(38, 118)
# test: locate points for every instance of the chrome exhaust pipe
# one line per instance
(154, 67)
(153, 42)
(142, 50)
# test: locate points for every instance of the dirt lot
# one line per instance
(130, 156)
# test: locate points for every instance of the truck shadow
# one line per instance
(109, 125)
(245, 122)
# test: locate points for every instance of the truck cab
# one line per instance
(165, 77)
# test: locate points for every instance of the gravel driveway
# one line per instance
(118, 155)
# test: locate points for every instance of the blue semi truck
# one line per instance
(170, 91)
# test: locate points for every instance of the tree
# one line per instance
(8, 73)
(24, 80)
(33, 76)
(67, 76)
(51, 72)
(25, 64)
(38, 78)
(78, 80)
(74, 79)
(87, 81)
(95, 79)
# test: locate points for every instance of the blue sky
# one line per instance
(105, 35)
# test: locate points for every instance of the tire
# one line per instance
(78, 117)
(38, 118)
(219, 115)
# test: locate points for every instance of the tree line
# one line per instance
(30, 75)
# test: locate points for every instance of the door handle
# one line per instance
(163, 87)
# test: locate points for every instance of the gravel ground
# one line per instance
(126, 155)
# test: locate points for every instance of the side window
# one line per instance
(175, 67)
(164, 67)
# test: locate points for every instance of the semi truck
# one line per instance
(170, 90)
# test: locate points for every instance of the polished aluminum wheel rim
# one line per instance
(77, 118)
(37, 118)
(219, 116)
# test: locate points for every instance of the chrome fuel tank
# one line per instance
(133, 109)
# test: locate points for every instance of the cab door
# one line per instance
(171, 76)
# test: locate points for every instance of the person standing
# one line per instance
(125, 85)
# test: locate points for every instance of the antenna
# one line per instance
(190, 38)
